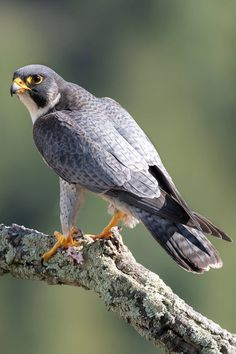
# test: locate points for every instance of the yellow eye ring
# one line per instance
(34, 79)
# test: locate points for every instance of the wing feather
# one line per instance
(131, 131)
(136, 137)
(90, 151)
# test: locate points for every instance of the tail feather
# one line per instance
(187, 246)
(210, 229)
(165, 206)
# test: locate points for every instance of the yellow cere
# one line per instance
(21, 83)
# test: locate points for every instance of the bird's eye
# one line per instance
(35, 79)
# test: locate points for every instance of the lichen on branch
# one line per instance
(107, 267)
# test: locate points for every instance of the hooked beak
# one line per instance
(18, 86)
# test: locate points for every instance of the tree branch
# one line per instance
(139, 296)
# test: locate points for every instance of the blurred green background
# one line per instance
(172, 64)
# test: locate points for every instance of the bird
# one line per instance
(93, 144)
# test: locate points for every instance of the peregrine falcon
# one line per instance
(93, 144)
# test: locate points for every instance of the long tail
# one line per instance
(187, 246)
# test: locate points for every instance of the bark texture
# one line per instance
(139, 296)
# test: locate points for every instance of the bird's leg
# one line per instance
(106, 232)
(62, 241)
(70, 199)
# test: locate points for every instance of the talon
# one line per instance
(62, 241)
(107, 233)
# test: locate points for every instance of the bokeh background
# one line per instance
(172, 64)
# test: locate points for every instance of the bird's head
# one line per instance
(37, 86)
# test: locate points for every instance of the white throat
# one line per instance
(34, 110)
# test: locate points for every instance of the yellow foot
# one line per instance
(62, 241)
(106, 232)
(106, 235)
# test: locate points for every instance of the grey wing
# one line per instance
(131, 131)
(92, 153)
